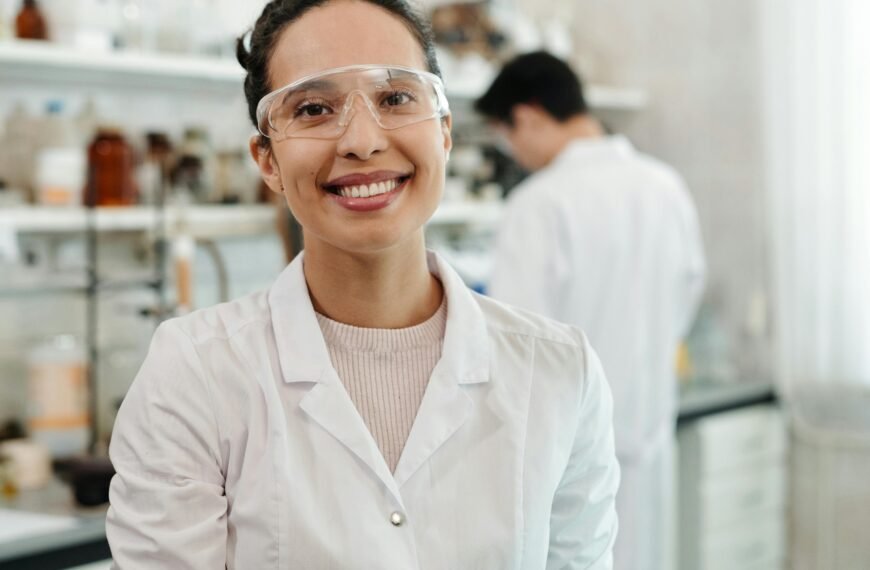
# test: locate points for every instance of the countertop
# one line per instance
(66, 527)
(699, 398)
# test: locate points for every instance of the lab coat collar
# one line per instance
(304, 356)
(594, 149)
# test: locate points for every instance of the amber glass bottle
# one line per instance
(110, 170)
(29, 24)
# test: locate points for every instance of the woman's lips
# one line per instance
(370, 203)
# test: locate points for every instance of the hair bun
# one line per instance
(242, 53)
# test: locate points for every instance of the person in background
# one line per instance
(368, 410)
(605, 238)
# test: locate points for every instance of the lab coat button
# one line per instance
(397, 519)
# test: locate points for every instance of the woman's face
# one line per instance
(342, 33)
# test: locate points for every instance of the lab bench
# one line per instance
(61, 535)
(83, 539)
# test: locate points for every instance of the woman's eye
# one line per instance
(311, 110)
(398, 98)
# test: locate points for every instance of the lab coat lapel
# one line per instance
(446, 404)
(329, 404)
(304, 357)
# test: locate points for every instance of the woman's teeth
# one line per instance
(368, 190)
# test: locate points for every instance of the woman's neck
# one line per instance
(385, 289)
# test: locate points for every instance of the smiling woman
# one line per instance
(367, 411)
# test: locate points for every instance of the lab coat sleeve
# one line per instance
(583, 521)
(167, 503)
(528, 266)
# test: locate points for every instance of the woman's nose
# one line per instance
(362, 136)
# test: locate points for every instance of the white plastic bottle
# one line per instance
(59, 174)
(58, 414)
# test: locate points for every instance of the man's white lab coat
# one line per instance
(238, 446)
(607, 239)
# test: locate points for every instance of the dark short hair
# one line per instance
(278, 14)
(537, 78)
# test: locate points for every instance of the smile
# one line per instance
(367, 190)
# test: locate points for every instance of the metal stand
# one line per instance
(95, 284)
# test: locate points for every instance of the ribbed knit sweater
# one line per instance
(385, 372)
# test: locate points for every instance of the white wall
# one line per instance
(700, 61)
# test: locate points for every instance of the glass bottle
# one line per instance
(154, 172)
(29, 23)
(110, 170)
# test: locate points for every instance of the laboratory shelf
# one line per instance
(45, 61)
(198, 221)
(598, 97)
(207, 221)
(468, 212)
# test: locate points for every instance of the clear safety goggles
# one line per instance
(321, 106)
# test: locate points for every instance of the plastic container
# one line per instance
(830, 464)
(60, 176)
(29, 463)
(57, 386)
(18, 147)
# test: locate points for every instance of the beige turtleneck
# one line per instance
(385, 372)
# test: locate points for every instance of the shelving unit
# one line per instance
(469, 212)
(601, 97)
(41, 61)
(200, 221)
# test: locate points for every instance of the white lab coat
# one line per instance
(238, 446)
(607, 239)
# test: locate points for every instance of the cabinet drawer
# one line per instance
(742, 497)
(741, 438)
(745, 546)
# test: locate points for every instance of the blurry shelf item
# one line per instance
(470, 212)
(43, 61)
(598, 97)
(198, 221)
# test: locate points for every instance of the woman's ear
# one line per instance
(446, 127)
(262, 155)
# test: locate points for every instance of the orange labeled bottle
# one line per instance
(111, 179)
(29, 23)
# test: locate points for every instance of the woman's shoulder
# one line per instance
(224, 320)
(503, 318)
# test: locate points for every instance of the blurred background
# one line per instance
(763, 106)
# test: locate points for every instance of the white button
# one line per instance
(397, 519)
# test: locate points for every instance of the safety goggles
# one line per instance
(321, 106)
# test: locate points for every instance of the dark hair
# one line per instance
(538, 78)
(278, 14)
